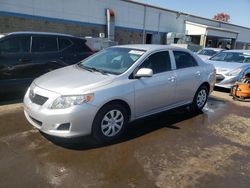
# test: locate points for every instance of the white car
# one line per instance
(206, 53)
(101, 94)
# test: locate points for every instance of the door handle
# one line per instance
(172, 78)
(24, 60)
(53, 61)
(10, 67)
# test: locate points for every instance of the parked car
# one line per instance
(231, 66)
(206, 53)
(101, 94)
(27, 55)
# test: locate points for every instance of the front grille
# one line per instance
(36, 121)
(37, 99)
(219, 78)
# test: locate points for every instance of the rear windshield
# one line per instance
(236, 57)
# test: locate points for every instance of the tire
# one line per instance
(106, 128)
(200, 99)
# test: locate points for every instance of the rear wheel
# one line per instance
(200, 98)
(109, 123)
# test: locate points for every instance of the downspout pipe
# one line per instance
(144, 23)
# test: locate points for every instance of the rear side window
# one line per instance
(158, 62)
(81, 46)
(15, 45)
(44, 44)
(64, 43)
(184, 60)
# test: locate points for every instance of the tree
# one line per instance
(222, 17)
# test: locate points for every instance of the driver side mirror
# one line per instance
(144, 72)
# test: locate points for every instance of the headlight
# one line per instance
(234, 72)
(71, 100)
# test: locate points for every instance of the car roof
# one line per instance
(37, 33)
(215, 49)
(151, 47)
(238, 51)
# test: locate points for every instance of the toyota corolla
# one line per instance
(103, 93)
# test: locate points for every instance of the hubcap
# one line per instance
(112, 123)
(201, 98)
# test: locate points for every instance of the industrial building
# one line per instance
(123, 21)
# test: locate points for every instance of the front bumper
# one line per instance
(79, 118)
(227, 81)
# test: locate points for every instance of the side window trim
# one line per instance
(173, 63)
(31, 42)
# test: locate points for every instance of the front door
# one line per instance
(156, 92)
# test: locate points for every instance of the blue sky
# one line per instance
(239, 10)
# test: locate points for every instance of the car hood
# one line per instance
(204, 57)
(224, 67)
(72, 80)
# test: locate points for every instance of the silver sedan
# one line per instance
(101, 94)
(231, 66)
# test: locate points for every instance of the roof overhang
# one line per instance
(199, 29)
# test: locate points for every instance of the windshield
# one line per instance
(112, 60)
(236, 57)
(208, 52)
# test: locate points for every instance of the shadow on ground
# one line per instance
(221, 89)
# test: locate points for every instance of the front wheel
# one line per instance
(109, 123)
(200, 99)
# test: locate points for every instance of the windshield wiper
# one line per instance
(84, 67)
(97, 70)
(92, 69)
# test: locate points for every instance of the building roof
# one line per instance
(211, 27)
(242, 51)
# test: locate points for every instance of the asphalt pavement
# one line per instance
(172, 149)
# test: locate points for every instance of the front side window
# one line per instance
(158, 62)
(184, 60)
(15, 45)
(112, 60)
(44, 44)
(236, 57)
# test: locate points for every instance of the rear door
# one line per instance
(45, 55)
(188, 76)
(156, 92)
